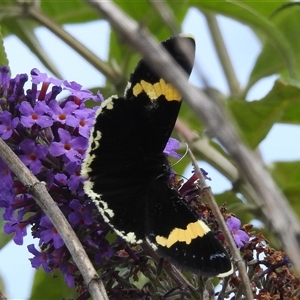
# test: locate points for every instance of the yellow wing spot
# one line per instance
(154, 91)
(137, 89)
(158, 88)
(149, 89)
(192, 231)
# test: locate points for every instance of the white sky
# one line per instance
(243, 47)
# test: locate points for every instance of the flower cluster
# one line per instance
(50, 138)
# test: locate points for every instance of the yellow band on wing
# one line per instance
(192, 231)
(154, 91)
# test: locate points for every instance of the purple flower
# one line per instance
(68, 270)
(99, 97)
(74, 179)
(50, 233)
(76, 90)
(84, 121)
(82, 213)
(35, 115)
(32, 155)
(6, 201)
(61, 179)
(6, 176)
(18, 227)
(39, 259)
(170, 148)
(63, 115)
(7, 125)
(38, 77)
(204, 173)
(68, 145)
(240, 237)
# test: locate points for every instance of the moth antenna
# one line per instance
(183, 156)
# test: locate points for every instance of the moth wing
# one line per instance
(175, 232)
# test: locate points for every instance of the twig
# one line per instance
(164, 10)
(33, 11)
(223, 55)
(274, 206)
(44, 200)
(216, 211)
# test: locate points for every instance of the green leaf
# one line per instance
(236, 11)
(256, 118)
(75, 11)
(3, 57)
(292, 114)
(43, 284)
(271, 61)
(257, 16)
(287, 175)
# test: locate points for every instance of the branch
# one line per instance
(216, 211)
(34, 12)
(268, 196)
(44, 200)
(163, 9)
(223, 55)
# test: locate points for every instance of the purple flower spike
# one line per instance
(240, 237)
(50, 137)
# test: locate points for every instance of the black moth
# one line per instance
(127, 172)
